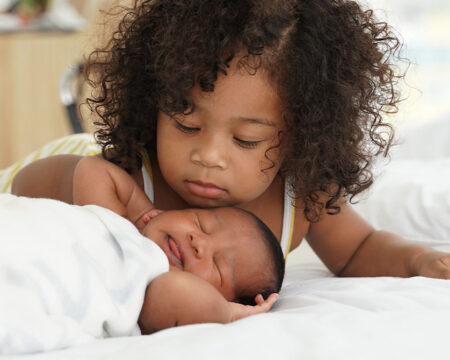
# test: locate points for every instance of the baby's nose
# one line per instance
(198, 244)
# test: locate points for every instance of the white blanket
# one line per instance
(69, 274)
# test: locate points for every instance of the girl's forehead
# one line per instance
(238, 79)
(240, 94)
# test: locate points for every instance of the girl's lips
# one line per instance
(205, 190)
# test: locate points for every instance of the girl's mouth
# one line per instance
(174, 250)
(205, 190)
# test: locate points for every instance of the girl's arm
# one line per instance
(181, 298)
(99, 182)
(47, 178)
(349, 246)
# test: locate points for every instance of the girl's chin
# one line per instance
(201, 202)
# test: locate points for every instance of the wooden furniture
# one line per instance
(32, 65)
(31, 68)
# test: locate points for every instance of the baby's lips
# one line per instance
(175, 250)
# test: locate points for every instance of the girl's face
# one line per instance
(216, 156)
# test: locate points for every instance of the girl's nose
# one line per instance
(210, 152)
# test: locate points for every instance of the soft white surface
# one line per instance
(411, 194)
(317, 317)
(69, 274)
(320, 317)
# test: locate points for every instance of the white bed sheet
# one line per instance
(319, 316)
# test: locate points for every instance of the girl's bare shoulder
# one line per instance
(51, 177)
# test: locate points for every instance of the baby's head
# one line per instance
(327, 62)
(228, 247)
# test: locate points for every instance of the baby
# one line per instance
(202, 265)
(230, 249)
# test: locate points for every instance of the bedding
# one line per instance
(69, 274)
(319, 316)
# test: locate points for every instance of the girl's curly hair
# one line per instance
(331, 62)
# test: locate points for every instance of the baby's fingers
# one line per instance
(259, 299)
(267, 304)
(271, 300)
(239, 311)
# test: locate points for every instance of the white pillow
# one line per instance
(412, 199)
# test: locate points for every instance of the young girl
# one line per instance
(274, 106)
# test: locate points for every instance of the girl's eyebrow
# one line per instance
(258, 121)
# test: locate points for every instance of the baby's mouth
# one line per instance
(175, 250)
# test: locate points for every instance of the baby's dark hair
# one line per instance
(274, 269)
(330, 61)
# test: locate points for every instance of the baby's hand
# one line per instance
(434, 264)
(240, 311)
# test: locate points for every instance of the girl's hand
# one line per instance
(142, 222)
(239, 311)
(434, 264)
(145, 218)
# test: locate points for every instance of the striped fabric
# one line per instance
(78, 144)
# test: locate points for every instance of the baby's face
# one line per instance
(222, 246)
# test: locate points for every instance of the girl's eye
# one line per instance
(185, 129)
(246, 144)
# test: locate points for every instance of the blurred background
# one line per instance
(41, 40)
(425, 29)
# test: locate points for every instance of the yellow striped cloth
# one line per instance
(78, 144)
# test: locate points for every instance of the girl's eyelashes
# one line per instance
(191, 130)
(185, 129)
(246, 144)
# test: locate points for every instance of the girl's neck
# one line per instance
(165, 197)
